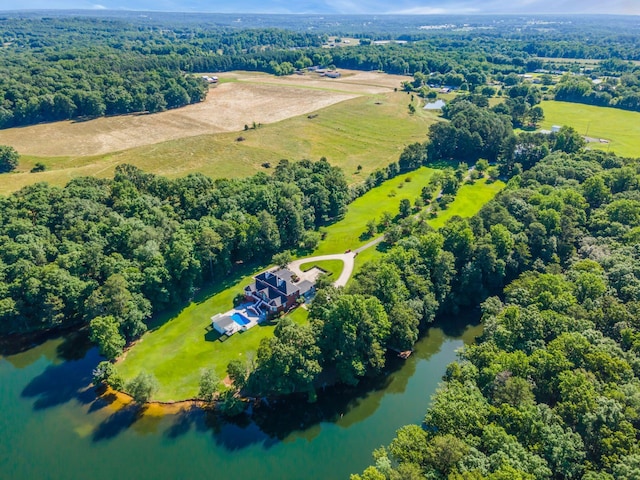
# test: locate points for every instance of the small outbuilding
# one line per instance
(224, 324)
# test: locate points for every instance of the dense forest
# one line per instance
(428, 273)
(126, 248)
(56, 68)
(552, 389)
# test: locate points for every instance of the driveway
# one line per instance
(347, 269)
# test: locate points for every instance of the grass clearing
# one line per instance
(469, 200)
(348, 232)
(177, 350)
(332, 267)
(620, 127)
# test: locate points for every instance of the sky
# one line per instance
(425, 7)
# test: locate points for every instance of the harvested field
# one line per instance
(351, 81)
(242, 98)
(350, 129)
(228, 108)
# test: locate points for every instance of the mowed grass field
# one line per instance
(620, 127)
(469, 200)
(178, 349)
(348, 232)
(331, 267)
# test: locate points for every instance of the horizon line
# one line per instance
(330, 14)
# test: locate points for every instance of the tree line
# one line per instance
(61, 68)
(622, 92)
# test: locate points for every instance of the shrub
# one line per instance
(142, 387)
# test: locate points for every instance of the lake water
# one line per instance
(53, 427)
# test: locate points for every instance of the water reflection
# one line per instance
(23, 352)
(63, 382)
(71, 359)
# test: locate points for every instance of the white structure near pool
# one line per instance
(241, 318)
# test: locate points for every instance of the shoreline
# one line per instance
(121, 400)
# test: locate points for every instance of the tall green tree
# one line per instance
(9, 158)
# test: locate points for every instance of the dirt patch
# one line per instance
(228, 108)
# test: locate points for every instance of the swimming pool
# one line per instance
(240, 319)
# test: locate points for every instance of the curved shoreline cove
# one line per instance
(47, 394)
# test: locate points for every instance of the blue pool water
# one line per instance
(240, 319)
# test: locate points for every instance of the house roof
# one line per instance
(305, 286)
(224, 322)
(279, 281)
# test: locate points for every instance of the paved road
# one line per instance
(373, 242)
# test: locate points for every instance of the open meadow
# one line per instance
(354, 120)
(620, 128)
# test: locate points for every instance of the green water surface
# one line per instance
(52, 426)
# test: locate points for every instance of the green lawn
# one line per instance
(177, 350)
(620, 127)
(469, 200)
(332, 267)
(347, 233)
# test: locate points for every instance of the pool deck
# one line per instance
(247, 311)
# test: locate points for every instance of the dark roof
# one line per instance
(280, 281)
(305, 286)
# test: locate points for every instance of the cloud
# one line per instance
(97, 6)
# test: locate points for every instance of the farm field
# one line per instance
(362, 128)
(177, 350)
(620, 127)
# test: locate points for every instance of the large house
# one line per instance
(275, 291)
